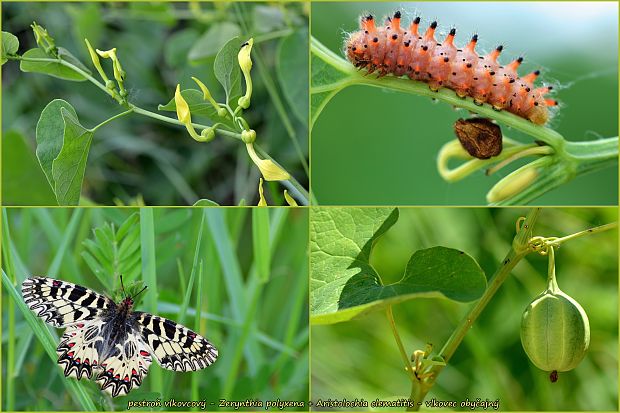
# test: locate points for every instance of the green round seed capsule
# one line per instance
(555, 331)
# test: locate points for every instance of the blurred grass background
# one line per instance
(378, 147)
(159, 45)
(360, 359)
(246, 270)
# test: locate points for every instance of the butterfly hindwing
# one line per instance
(175, 346)
(125, 367)
(61, 303)
(79, 349)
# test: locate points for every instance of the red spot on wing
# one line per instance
(144, 353)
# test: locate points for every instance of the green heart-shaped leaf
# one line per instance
(69, 166)
(344, 285)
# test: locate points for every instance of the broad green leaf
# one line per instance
(210, 43)
(293, 72)
(226, 68)
(49, 135)
(205, 202)
(23, 182)
(197, 106)
(344, 285)
(327, 79)
(68, 168)
(52, 66)
(10, 44)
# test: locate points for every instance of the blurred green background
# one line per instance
(378, 147)
(159, 45)
(260, 329)
(360, 358)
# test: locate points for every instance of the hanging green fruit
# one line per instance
(555, 331)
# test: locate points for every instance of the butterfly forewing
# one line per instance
(61, 303)
(175, 346)
(110, 340)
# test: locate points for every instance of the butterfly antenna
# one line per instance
(140, 292)
(123, 286)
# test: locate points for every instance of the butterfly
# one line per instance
(111, 340)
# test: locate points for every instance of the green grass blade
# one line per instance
(75, 388)
(196, 377)
(10, 352)
(188, 292)
(149, 276)
(261, 243)
(233, 280)
(66, 238)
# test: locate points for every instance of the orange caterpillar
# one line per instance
(393, 50)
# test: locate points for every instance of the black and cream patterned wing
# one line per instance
(61, 303)
(125, 366)
(175, 346)
(79, 349)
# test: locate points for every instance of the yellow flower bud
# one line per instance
(96, 62)
(119, 73)
(183, 113)
(107, 54)
(185, 116)
(207, 96)
(269, 170)
(245, 63)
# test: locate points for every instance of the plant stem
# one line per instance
(517, 252)
(399, 343)
(66, 64)
(558, 241)
(105, 122)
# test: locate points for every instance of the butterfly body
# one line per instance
(111, 341)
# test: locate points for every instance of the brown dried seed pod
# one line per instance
(480, 137)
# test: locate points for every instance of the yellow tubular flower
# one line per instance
(185, 116)
(270, 171)
(207, 96)
(261, 196)
(245, 63)
(119, 73)
(289, 199)
(95, 59)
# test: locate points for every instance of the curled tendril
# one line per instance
(542, 245)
